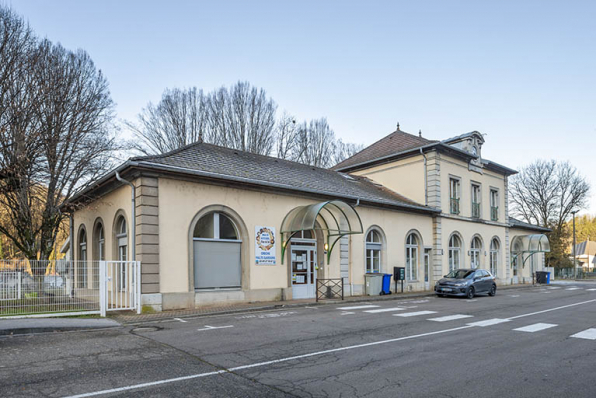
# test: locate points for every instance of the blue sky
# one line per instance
(522, 72)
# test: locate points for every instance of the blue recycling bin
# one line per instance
(386, 284)
(547, 278)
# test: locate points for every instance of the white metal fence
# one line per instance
(41, 288)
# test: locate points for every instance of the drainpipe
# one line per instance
(425, 178)
(134, 215)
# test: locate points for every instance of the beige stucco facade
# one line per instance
(169, 206)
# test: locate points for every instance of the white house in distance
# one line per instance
(585, 255)
(219, 225)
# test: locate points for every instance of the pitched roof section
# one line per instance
(515, 223)
(586, 247)
(396, 142)
(215, 162)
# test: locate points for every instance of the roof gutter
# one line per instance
(425, 177)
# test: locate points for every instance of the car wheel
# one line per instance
(493, 290)
(470, 294)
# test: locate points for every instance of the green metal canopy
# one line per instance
(336, 217)
(528, 244)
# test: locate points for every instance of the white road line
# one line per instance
(554, 287)
(514, 295)
(589, 334)
(470, 301)
(207, 327)
(591, 290)
(450, 318)
(358, 307)
(385, 310)
(165, 381)
(536, 327)
(181, 320)
(417, 313)
(488, 322)
(574, 288)
(347, 313)
(259, 364)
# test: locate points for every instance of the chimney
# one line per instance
(398, 125)
(420, 133)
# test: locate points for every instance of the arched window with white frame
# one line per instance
(494, 256)
(475, 251)
(412, 251)
(82, 263)
(454, 252)
(217, 253)
(374, 247)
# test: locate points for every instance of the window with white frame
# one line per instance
(494, 205)
(476, 198)
(454, 252)
(82, 264)
(374, 245)
(475, 250)
(412, 257)
(454, 194)
(217, 253)
(494, 256)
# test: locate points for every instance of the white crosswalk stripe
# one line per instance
(358, 307)
(588, 334)
(417, 313)
(450, 318)
(591, 290)
(488, 322)
(535, 327)
(554, 287)
(385, 310)
(574, 288)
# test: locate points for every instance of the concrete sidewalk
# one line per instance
(47, 325)
(128, 318)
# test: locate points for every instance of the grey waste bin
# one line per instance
(541, 277)
(373, 284)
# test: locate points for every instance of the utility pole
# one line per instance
(574, 263)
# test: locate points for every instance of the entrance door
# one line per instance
(427, 269)
(515, 264)
(304, 271)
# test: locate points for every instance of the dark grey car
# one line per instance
(466, 283)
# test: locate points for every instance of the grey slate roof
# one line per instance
(583, 248)
(515, 223)
(215, 162)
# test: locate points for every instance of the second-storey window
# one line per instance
(494, 205)
(476, 195)
(454, 192)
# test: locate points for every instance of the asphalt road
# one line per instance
(532, 342)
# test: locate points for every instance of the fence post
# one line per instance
(103, 287)
(138, 286)
(19, 286)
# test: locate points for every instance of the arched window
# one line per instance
(475, 249)
(494, 256)
(374, 245)
(217, 252)
(99, 252)
(412, 257)
(82, 264)
(454, 252)
(122, 239)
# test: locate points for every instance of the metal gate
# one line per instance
(119, 286)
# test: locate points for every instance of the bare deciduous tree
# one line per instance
(315, 143)
(287, 135)
(343, 150)
(60, 141)
(545, 193)
(179, 119)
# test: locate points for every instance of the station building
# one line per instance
(219, 225)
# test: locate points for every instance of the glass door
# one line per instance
(303, 269)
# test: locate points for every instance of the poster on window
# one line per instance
(265, 245)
